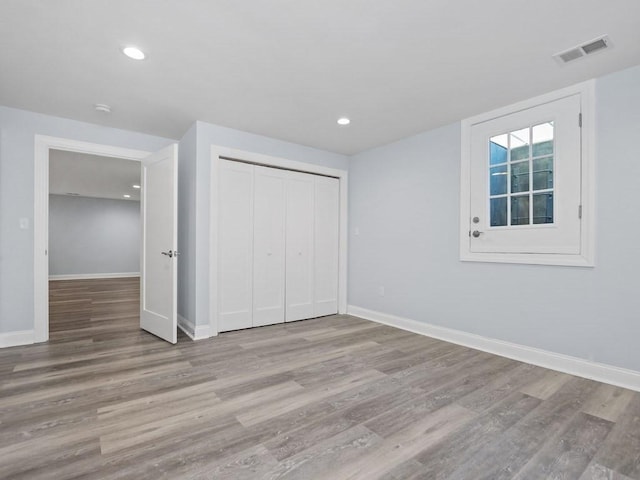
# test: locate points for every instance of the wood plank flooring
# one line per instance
(331, 398)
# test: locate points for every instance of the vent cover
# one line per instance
(588, 48)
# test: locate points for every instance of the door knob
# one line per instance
(476, 233)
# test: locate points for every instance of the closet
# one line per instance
(278, 243)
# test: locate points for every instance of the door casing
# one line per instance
(42, 146)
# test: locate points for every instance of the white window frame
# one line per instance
(586, 257)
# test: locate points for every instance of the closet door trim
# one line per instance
(265, 160)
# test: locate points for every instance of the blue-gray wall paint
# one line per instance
(17, 136)
(195, 171)
(93, 235)
(404, 199)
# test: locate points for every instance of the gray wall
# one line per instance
(93, 235)
(17, 132)
(195, 171)
(404, 199)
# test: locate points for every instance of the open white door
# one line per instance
(158, 270)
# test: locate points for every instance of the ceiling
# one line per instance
(288, 68)
(93, 176)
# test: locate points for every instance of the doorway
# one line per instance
(43, 147)
(94, 243)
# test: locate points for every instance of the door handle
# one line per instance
(168, 254)
(476, 233)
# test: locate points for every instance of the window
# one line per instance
(521, 176)
(526, 173)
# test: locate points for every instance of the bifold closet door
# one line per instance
(235, 237)
(268, 246)
(326, 245)
(299, 246)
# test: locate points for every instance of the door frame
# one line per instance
(274, 162)
(43, 144)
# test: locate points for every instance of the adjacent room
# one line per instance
(330, 240)
(94, 243)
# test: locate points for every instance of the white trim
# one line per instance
(42, 146)
(586, 258)
(194, 332)
(600, 372)
(14, 339)
(266, 160)
(91, 276)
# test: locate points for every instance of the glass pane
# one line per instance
(543, 173)
(498, 212)
(543, 208)
(498, 149)
(542, 139)
(498, 180)
(519, 144)
(520, 210)
(520, 177)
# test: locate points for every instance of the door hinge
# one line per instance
(579, 211)
(580, 120)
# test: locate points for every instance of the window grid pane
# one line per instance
(521, 176)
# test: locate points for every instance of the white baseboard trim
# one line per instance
(601, 372)
(91, 276)
(194, 332)
(13, 339)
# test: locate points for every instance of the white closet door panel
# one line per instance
(268, 246)
(235, 237)
(327, 211)
(299, 246)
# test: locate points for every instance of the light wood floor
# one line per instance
(331, 398)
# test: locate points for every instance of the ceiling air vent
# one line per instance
(588, 48)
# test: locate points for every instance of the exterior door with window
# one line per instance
(525, 181)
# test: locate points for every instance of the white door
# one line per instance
(235, 243)
(326, 217)
(268, 246)
(524, 196)
(158, 306)
(299, 246)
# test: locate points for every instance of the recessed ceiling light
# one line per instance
(344, 121)
(102, 107)
(126, 195)
(133, 52)
(136, 186)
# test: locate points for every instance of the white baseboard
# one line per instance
(194, 332)
(91, 276)
(601, 372)
(13, 339)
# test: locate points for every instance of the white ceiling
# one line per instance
(93, 175)
(289, 68)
